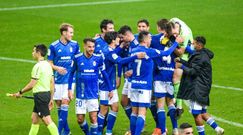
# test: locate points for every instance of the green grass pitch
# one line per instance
(220, 21)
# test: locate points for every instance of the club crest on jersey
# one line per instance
(71, 49)
(94, 63)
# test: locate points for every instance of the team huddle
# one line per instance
(158, 69)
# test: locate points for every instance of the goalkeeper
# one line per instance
(184, 33)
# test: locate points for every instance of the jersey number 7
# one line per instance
(139, 63)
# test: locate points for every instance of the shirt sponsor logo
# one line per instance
(88, 70)
(66, 58)
(140, 82)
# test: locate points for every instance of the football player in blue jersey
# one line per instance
(142, 77)
(127, 37)
(60, 56)
(142, 25)
(106, 25)
(87, 66)
(163, 75)
(111, 59)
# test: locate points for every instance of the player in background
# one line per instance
(60, 56)
(111, 59)
(182, 31)
(42, 84)
(142, 25)
(106, 25)
(141, 89)
(87, 66)
(163, 85)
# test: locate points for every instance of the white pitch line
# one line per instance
(69, 5)
(186, 103)
(228, 122)
(16, 59)
(226, 87)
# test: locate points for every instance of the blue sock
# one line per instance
(128, 110)
(153, 109)
(139, 124)
(212, 123)
(66, 127)
(111, 121)
(85, 127)
(172, 110)
(62, 118)
(94, 129)
(101, 120)
(162, 119)
(133, 120)
(200, 130)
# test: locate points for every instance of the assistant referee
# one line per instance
(42, 84)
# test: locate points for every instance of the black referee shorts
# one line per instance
(41, 103)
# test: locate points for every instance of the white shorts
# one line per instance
(86, 105)
(196, 108)
(140, 98)
(61, 91)
(127, 88)
(162, 89)
(104, 99)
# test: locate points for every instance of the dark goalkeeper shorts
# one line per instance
(41, 103)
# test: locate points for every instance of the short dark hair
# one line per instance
(168, 28)
(64, 27)
(185, 125)
(109, 36)
(88, 39)
(41, 48)
(162, 23)
(142, 35)
(143, 21)
(124, 29)
(201, 40)
(104, 23)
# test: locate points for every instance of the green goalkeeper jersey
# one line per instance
(186, 33)
(43, 73)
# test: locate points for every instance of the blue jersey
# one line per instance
(126, 52)
(111, 59)
(100, 44)
(142, 76)
(87, 73)
(164, 68)
(62, 55)
(156, 41)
